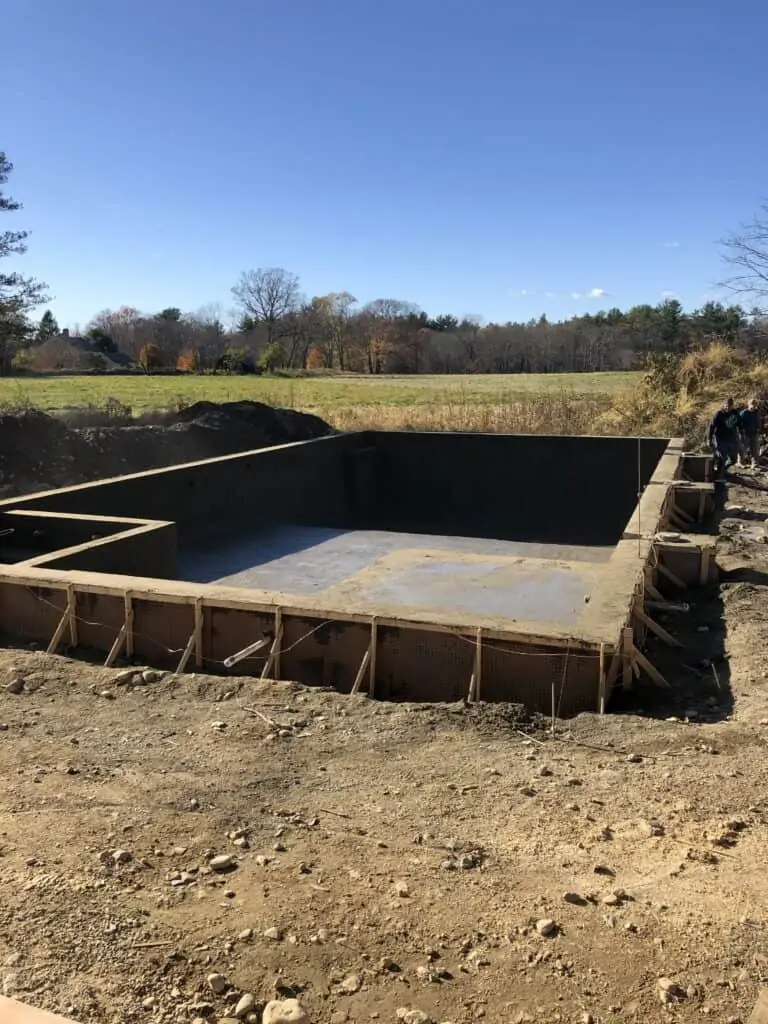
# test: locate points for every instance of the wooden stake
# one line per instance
(115, 648)
(613, 672)
(683, 515)
(278, 632)
(274, 649)
(64, 621)
(72, 605)
(628, 645)
(678, 523)
(472, 685)
(374, 642)
(186, 655)
(128, 600)
(649, 586)
(670, 576)
(199, 632)
(361, 671)
(478, 664)
(601, 691)
(654, 627)
(650, 670)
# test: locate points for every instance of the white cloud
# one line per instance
(575, 295)
(671, 245)
(597, 293)
(668, 295)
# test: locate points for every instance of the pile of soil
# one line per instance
(38, 451)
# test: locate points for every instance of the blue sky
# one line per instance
(471, 156)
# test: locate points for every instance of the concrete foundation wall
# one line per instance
(412, 664)
(566, 490)
(299, 483)
(152, 546)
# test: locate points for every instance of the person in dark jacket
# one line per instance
(723, 436)
(749, 425)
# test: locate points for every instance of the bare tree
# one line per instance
(747, 251)
(267, 294)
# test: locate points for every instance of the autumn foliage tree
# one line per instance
(149, 358)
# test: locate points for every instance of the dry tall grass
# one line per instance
(552, 413)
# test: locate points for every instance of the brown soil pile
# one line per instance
(38, 451)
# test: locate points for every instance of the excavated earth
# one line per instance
(38, 451)
(393, 857)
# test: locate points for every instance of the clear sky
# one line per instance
(472, 156)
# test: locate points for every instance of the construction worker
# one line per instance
(749, 426)
(723, 437)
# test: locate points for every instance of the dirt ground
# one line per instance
(38, 451)
(389, 856)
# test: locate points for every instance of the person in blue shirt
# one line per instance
(749, 427)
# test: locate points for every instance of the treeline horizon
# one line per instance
(278, 329)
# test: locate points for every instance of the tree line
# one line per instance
(274, 326)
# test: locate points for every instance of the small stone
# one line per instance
(261, 860)
(611, 900)
(413, 1016)
(545, 771)
(351, 984)
(634, 758)
(149, 1003)
(107, 694)
(194, 805)
(241, 842)
(16, 686)
(402, 890)
(527, 791)
(125, 678)
(546, 926)
(222, 862)
(245, 1004)
(217, 983)
(245, 934)
(587, 1018)
(219, 726)
(575, 898)
(152, 675)
(273, 934)
(122, 857)
(669, 991)
(285, 1011)
(279, 848)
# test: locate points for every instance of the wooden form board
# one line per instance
(13, 1012)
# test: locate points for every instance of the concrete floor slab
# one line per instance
(519, 581)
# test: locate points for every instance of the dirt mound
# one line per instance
(38, 451)
(275, 426)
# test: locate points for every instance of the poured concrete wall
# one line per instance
(297, 483)
(152, 547)
(412, 663)
(565, 490)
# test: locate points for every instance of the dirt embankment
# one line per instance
(38, 451)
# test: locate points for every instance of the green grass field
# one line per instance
(317, 394)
